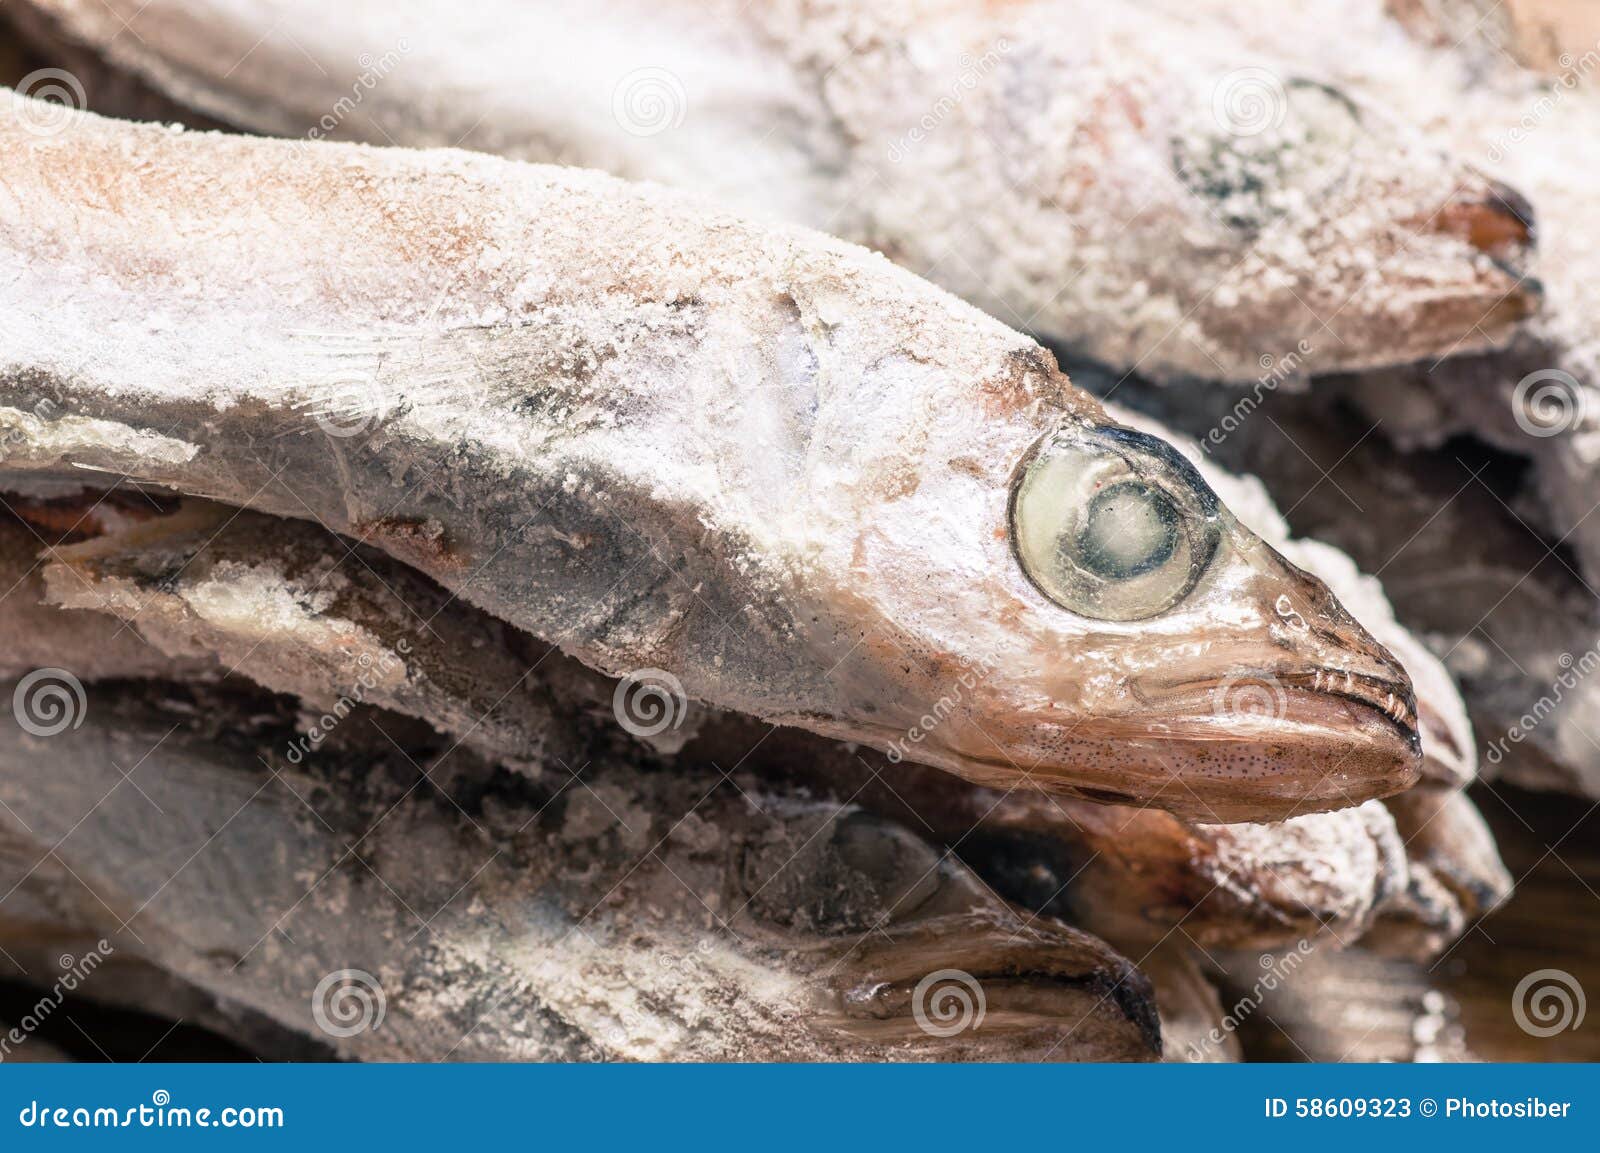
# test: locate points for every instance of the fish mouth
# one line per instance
(957, 985)
(1496, 221)
(1394, 701)
(1254, 746)
(1322, 698)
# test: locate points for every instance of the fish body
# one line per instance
(247, 590)
(1145, 188)
(353, 900)
(806, 484)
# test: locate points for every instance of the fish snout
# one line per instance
(1495, 219)
(1332, 657)
(1393, 698)
(1496, 223)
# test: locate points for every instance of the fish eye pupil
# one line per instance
(1129, 529)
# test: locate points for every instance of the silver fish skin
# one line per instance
(769, 463)
(1153, 190)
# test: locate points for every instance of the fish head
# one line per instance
(1319, 227)
(1088, 618)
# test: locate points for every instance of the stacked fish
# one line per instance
(554, 617)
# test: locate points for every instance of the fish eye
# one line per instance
(1112, 524)
(1263, 148)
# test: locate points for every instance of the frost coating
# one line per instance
(485, 370)
(1155, 192)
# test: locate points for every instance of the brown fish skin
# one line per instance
(1138, 865)
(1136, 873)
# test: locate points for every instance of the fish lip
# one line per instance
(1498, 224)
(874, 978)
(1395, 701)
(1506, 200)
(1494, 219)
